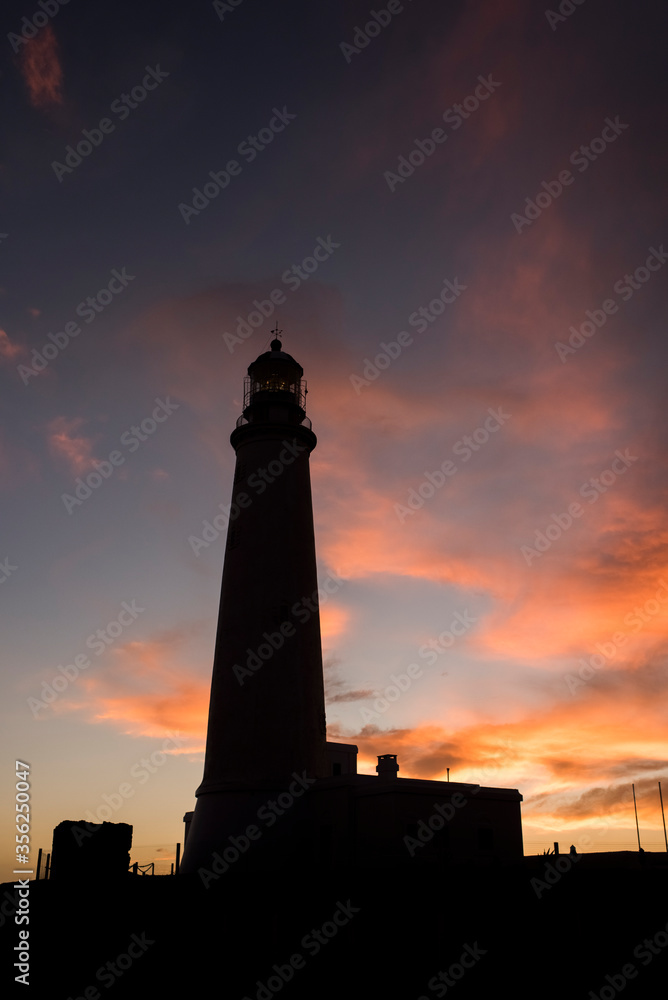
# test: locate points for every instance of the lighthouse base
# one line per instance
(350, 819)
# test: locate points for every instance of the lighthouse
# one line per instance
(275, 794)
(267, 708)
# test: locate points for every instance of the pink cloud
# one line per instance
(65, 443)
(8, 349)
(41, 69)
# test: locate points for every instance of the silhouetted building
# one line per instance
(273, 787)
(85, 851)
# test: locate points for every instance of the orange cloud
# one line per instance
(333, 621)
(41, 70)
(147, 688)
(9, 350)
(566, 424)
(75, 449)
(573, 762)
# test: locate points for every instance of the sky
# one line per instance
(460, 210)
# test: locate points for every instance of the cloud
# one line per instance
(565, 426)
(148, 688)
(42, 73)
(615, 800)
(333, 622)
(336, 687)
(74, 449)
(573, 761)
(8, 349)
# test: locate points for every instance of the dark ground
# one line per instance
(519, 940)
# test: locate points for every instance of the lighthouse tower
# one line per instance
(267, 709)
(275, 794)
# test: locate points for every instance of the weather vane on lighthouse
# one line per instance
(276, 332)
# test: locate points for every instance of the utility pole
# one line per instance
(636, 812)
(663, 817)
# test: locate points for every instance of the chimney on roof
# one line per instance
(387, 766)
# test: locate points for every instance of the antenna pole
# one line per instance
(636, 812)
(663, 818)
